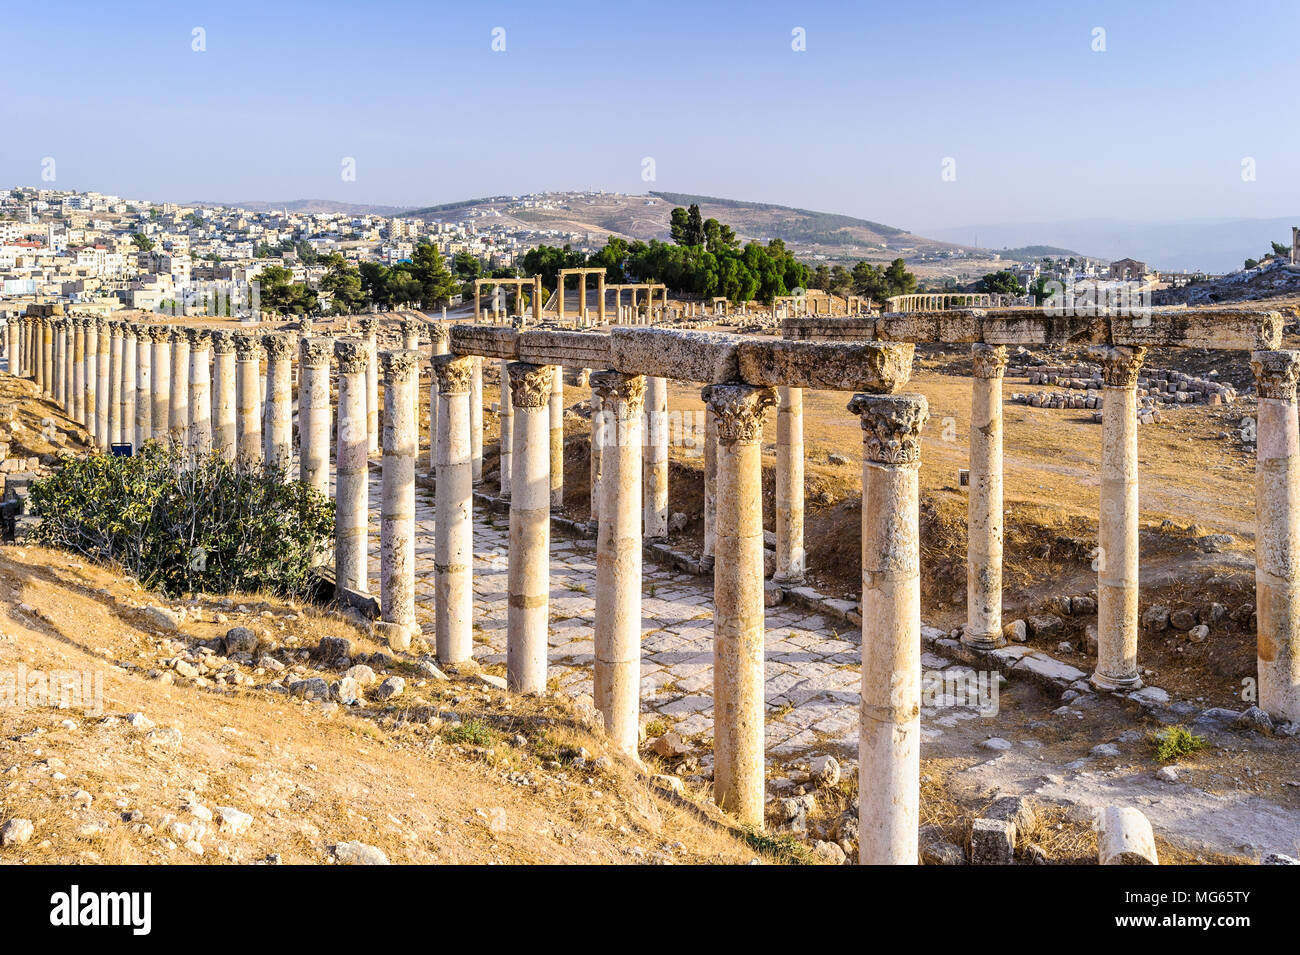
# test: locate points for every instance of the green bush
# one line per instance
(1174, 742)
(182, 525)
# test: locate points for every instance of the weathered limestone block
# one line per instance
(876, 367)
(1124, 837)
(709, 357)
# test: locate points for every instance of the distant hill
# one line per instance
(308, 206)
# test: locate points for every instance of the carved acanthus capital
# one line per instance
(411, 329)
(620, 393)
(989, 361)
(278, 345)
(1120, 364)
(440, 335)
(1276, 373)
(248, 348)
(454, 373)
(200, 339)
(223, 341)
(353, 355)
(368, 326)
(530, 385)
(315, 351)
(397, 365)
(891, 426)
(738, 411)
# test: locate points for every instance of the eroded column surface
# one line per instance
(115, 423)
(441, 339)
(1117, 525)
(200, 404)
(506, 440)
(369, 330)
(225, 430)
(710, 489)
(738, 715)
(46, 378)
(61, 363)
(160, 411)
(476, 419)
(314, 412)
(656, 458)
(453, 528)
(278, 437)
(130, 366)
(984, 521)
(617, 677)
(791, 560)
(103, 386)
(597, 452)
(889, 734)
(78, 370)
(248, 401)
(352, 450)
(1277, 534)
(143, 385)
(529, 575)
(397, 509)
(178, 414)
(556, 416)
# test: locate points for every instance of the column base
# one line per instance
(1103, 682)
(983, 641)
(791, 580)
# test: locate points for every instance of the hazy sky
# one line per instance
(1040, 126)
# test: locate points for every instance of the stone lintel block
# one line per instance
(1227, 328)
(860, 328)
(708, 357)
(488, 341)
(573, 349)
(1036, 327)
(876, 367)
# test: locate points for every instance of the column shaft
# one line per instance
(556, 417)
(790, 557)
(656, 458)
(984, 521)
(143, 385)
(278, 436)
(200, 400)
(225, 430)
(506, 439)
(351, 492)
(453, 528)
(314, 413)
(530, 530)
(397, 509)
(248, 401)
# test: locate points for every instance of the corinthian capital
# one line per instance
(990, 361)
(739, 411)
(1120, 364)
(1276, 373)
(530, 385)
(891, 426)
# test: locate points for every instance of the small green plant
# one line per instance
(786, 849)
(182, 524)
(656, 727)
(1174, 742)
(472, 733)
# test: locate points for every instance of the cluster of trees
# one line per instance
(874, 282)
(425, 281)
(1280, 251)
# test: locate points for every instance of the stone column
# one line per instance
(178, 414)
(47, 356)
(530, 530)
(600, 290)
(160, 410)
(984, 522)
(597, 451)
(617, 678)
(130, 362)
(248, 401)
(441, 339)
(225, 430)
(103, 387)
(1117, 527)
(1277, 534)
(314, 412)
(556, 406)
(61, 362)
(143, 385)
(115, 423)
(656, 458)
(369, 329)
(11, 347)
(710, 489)
(352, 495)
(200, 386)
(277, 441)
(78, 370)
(453, 557)
(791, 560)
(505, 443)
(397, 509)
(889, 734)
(738, 715)
(476, 420)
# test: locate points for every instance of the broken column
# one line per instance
(225, 430)
(314, 412)
(277, 441)
(530, 529)
(248, 401)
(161, 401)
(1117, 526)
(1277, 534)
(617, 677)
(984, 520)
(397, 508)
(790, 558)
(889, 735)
(178, 415)
(738, 715)
(352, 497)
(453, 529)
(656, 458)
(199, 436)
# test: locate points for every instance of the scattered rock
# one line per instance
(1167, 774)
(1254, 719)
(1016, 630)
(164, 618)
(829, 853)
(1045, 625)
(363, 675)
(995, 743)
(992, 842)
(167, 737)
(16, 832)
(358, 853)
(390, 689)
(313, 689)
(233, 821)
(670, 746)
(1124, 837)
(937, 850)
(496, 682)
(240, 640)
(1156, 617)
(825, 770)
(1182, 620)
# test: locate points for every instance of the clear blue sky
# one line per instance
(1040, 126)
